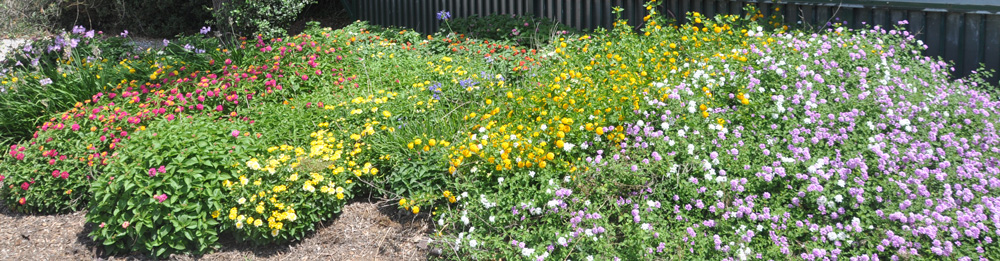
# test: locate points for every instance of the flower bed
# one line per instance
(726, 138)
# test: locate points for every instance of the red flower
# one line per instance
(65, 175)
(25, 186)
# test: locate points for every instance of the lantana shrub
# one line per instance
(732, 141)
(730, 137)
(163, 191)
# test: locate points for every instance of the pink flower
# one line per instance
(25, 186)
(152, 172)
(163, 169)
(64, 174)
(235, 133)
(75, 127)
(1, 178)
(170, 117)
(125, 225)
(218, 108)
(160, 198)
(55, 173)
(200, 106)
(52, 162)
(101, 225)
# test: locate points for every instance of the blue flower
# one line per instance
(467, 83)
(79, 29)
(443, 15)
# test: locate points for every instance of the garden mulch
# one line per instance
(368, 229)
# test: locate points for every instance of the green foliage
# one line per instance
(158, 194)
(283, 197)
(265, 17)
(50, 180)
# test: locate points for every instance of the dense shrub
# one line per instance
(266, 17)
(163, 191)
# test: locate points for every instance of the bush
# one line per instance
(282, 198)
(267, 17)
(163, 190)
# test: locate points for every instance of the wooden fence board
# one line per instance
(991, 48)
(972, 42)
(952, 48)
(935, 31)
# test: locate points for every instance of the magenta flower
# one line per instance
(163, 169)
(75, 127)
(152, 172)
(160, 198)
(235, 133)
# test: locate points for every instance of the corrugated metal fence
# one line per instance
(966, 32)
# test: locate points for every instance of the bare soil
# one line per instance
(367, 230)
